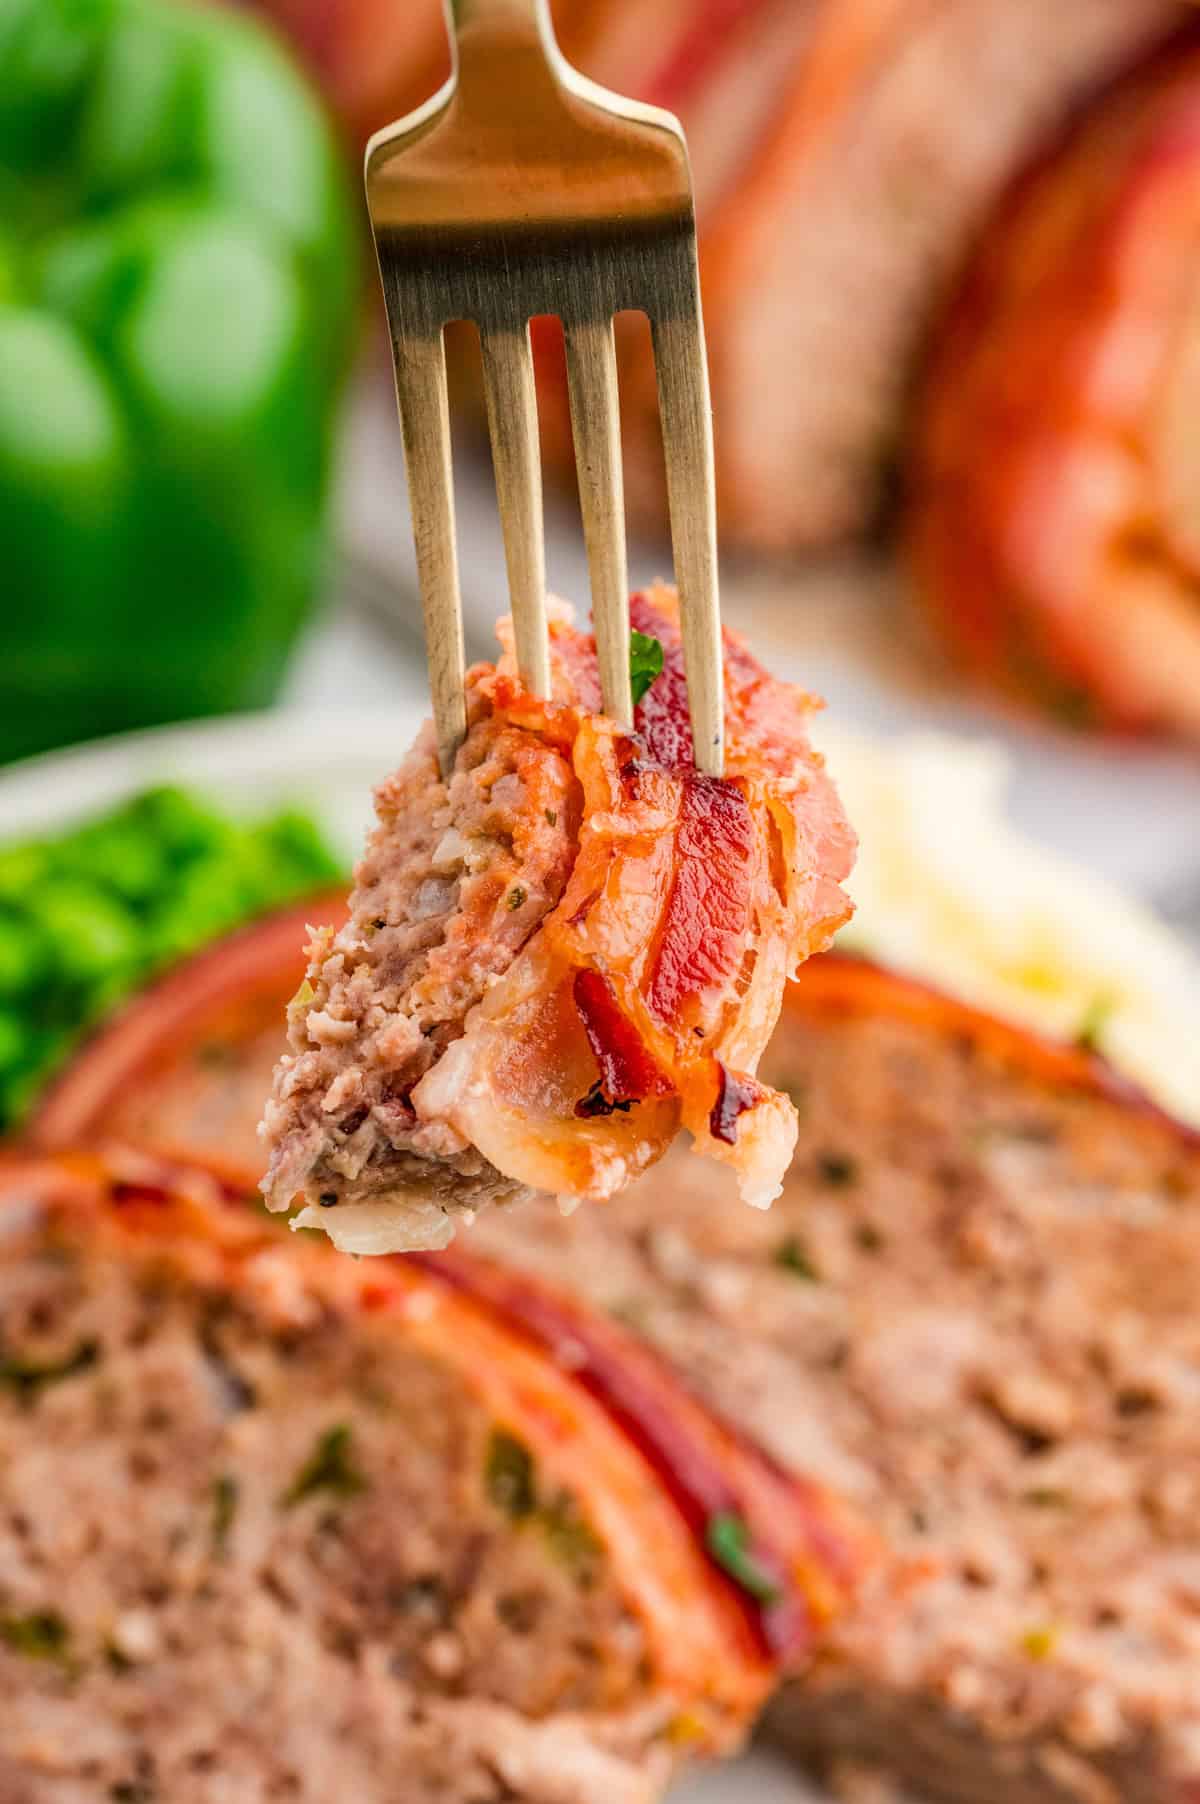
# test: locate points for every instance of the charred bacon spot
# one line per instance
(735, 1094)
(627, 1072)
(595, 1103)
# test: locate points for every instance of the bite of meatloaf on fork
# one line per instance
(560, 956)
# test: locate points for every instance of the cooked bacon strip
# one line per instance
(544, 1015)
(1051, 516)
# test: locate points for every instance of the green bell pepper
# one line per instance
(178, 270)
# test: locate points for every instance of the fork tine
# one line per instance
(595, 422)
(683, 401)
(513, 424)
(420, 363)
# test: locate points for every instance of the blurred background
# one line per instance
(951, 266)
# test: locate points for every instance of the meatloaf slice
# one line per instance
(273, 1529)
(561, 955)
(973, 1312)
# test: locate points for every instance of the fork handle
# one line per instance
(482, 24)
(465, 13)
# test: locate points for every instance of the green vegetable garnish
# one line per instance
(27, 1377)
(645, 663)
(508, 1476)
(224, 1509)
(727, 1538)
(791, 1256)
(838, 1170)
(43, 1635)
(87, 918)
(328, 1468)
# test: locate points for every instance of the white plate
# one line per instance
(327, 763)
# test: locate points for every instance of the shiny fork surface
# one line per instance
(523, 189)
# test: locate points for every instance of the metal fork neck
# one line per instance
(523, 19)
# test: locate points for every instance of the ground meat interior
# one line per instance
(455, 880)
(243, 1562)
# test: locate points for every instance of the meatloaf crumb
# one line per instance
(973, 1311)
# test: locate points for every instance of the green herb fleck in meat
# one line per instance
(791, 1257)
(551, 817)
(645, 663)
(224, 1509)
(1047, 1497)
(43, 1635)
(508, 1476)
(727, 1539)
(516, 897)
(328, 1468)
(1089, 1036)
(837, 1170)
(29, 1377)
(570, 1539)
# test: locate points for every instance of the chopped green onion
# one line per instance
(327, 1468)
(727, 1539)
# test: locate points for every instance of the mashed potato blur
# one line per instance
(948, 891)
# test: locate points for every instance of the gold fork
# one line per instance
(523, 189)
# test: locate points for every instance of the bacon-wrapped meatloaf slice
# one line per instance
(275, 1524)
(556, 959)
